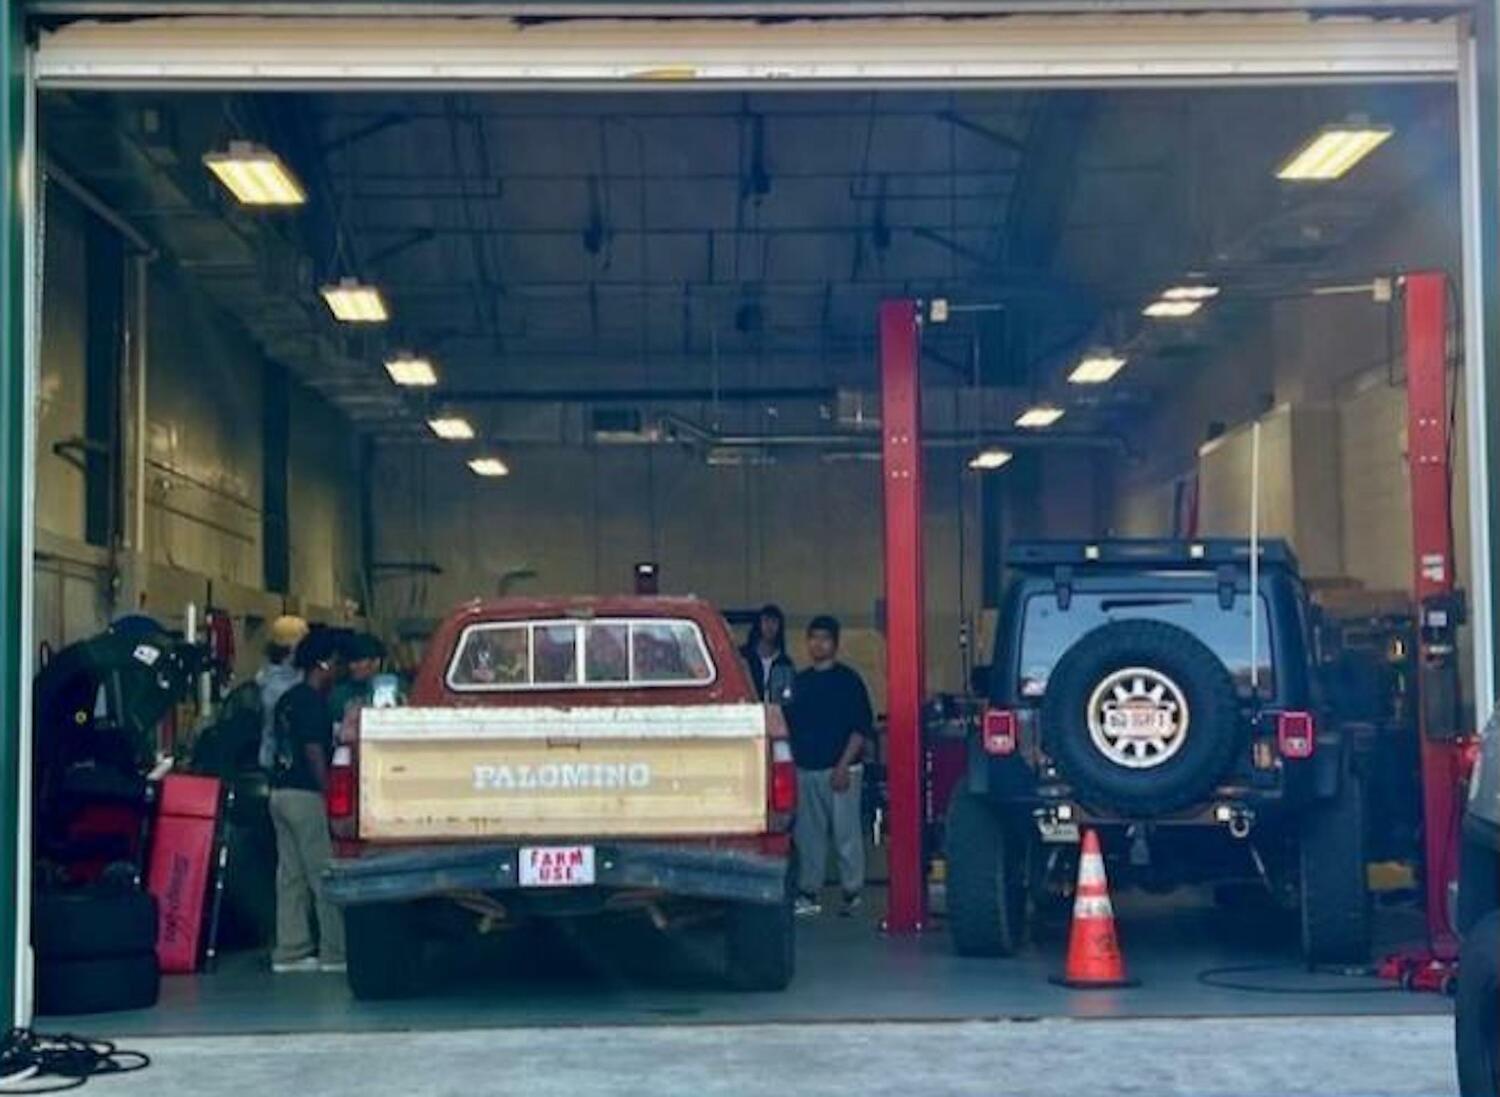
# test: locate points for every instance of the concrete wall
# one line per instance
(802, 532)
(205, 471)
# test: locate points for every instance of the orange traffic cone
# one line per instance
(1094, 959)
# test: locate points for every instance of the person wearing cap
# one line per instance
(765, 650)
(830, 720)
(299, 784)
(275, 677)
(363, 657)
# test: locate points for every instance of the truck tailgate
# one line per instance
(451, 773)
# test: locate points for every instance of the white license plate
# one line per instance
(557, 866)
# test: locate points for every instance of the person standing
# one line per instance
(765, 649)
(299, 783)
(830, 720)
(363, 656)
(275, 677)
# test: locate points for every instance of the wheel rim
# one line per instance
(1138, 718)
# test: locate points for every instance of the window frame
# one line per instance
(580, 682)
(1269, 687)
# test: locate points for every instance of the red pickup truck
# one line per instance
(559, 758)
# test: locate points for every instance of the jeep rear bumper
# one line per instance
(687, 871)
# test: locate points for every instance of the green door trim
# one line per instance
(15, 492)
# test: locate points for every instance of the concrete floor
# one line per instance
(847, 972)
(1242, 1057)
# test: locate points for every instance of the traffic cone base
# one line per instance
(1094, 959)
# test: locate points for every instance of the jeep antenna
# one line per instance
(1254, 558)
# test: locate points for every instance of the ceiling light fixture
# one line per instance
(411, 372)
(255, 175)
(1096, 369)
(1165, 309)
(1332, 152)
(353, 302)
(452, 428)
(1042, 415)
(489, 467)
(990, 459)
(1197, 292)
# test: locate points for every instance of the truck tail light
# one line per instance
(1296, 734)
(341, 786)
(998, 732)
(783, 780)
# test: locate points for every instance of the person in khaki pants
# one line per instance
(299, 783)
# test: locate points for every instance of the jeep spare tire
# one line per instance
(1141, 717)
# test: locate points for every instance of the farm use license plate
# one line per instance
(557, 866)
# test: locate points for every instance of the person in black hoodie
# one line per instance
(766, 649)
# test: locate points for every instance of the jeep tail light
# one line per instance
(1296, 734)
(783, 778)
(341, 784)
(998, 733)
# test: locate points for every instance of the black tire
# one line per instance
(91, 923)
(1476, 1013)
(100, 985)
(1333, 891)
(385, 950)
(1209, 741)
(760, 944)
(986, 880)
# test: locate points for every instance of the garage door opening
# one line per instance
(641, 329)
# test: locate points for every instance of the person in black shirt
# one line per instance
(830, 719)
(299, 781)
(765, 650)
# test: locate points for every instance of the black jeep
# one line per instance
(1132, 691)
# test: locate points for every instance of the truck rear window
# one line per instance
(1048, 631)
(522, 655)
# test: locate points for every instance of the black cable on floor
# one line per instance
(1223, 978)
(31, 1063)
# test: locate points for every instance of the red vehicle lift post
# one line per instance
(901, 469)
(1443, 740)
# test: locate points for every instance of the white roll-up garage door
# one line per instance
(242, 50)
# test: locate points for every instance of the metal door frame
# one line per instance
(1134, 64)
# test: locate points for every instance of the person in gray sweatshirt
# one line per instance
(275, 677)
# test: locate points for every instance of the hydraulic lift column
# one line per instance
(1439, 608)
(901, 469)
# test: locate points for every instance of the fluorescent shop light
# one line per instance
(1190, 293)
(489, 466)
(452, 428)
(255, 176)
(1096, 369)
(990, 459)
(1043, 415)
(352, 302)
(1332, 152)
(1171, 310)
(411, 372)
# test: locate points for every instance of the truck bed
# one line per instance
(665, 771)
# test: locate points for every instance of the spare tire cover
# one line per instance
(1141, 717)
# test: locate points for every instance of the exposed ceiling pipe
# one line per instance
(97, 206)
(678, 427)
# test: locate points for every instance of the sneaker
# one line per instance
(807, 906)
(332, 967)
(293, 967)
(851, 905)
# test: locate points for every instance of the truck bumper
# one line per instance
(695, 872)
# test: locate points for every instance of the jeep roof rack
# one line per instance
(1159, 553)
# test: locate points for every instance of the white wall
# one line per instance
(1333, 355)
